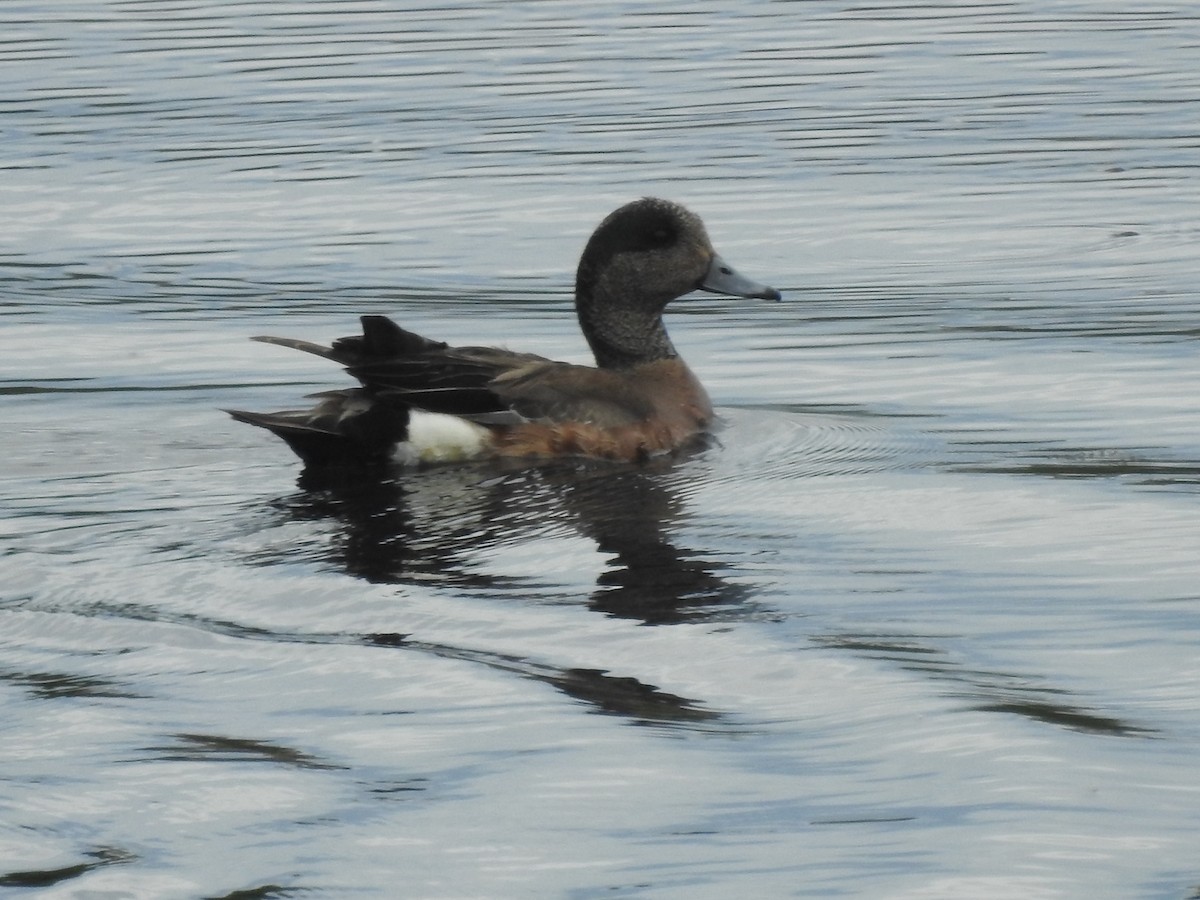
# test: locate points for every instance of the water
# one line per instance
(922, 623)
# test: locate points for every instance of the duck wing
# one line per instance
(490, 385)
(397, 366)
(557, 392)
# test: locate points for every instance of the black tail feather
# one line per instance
(343, 429)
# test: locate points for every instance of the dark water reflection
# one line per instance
(100, 857)
(601, 691)
(219, 748)
(1002, 692)
(54, 685)
(1133, 466)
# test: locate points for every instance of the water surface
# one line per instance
(922, 622)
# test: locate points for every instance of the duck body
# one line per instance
(423, 401)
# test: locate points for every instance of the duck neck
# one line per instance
(622, 336)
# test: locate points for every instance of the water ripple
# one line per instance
(931, 589)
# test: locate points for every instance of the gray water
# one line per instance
(922, 623)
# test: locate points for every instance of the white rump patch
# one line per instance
(436, 438)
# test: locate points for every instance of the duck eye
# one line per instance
(661, 236)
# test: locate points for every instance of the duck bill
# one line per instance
(722, 278)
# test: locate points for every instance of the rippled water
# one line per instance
(925, 616)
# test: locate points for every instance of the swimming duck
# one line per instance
(424, 401)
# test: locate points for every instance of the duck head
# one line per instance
(640, 258)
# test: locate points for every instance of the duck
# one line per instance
(419, 401)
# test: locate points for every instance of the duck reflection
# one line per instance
(435, 527)
(432, 527)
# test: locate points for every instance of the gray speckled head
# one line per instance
(639, 259)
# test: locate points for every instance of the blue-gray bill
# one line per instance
(722, 278)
